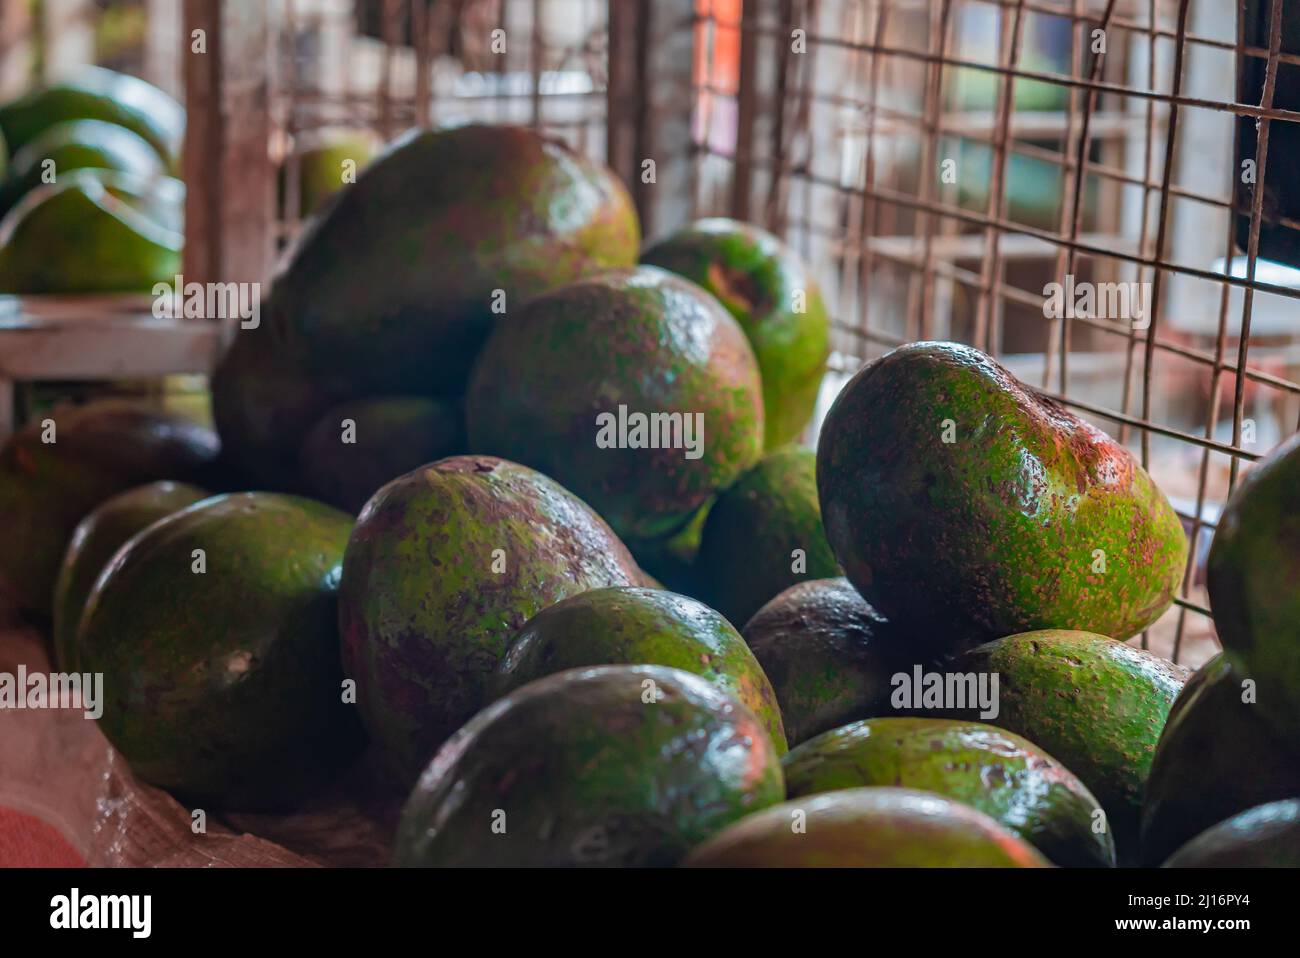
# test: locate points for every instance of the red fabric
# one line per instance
(27, 842)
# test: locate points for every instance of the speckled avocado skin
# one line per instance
(225, 686)
(424, 617)
(94, 541)
(1267, 836)
(644, 339)
(609, 766)
(391, 435)
(1217, 757)
(1254, 581)
(747, 549)
(999, 531)
(1094, 704)
(829, 656)
(100, 449)
(637, 626)
(868, 828)
(392, 287)
(990, 769)
(757, 278)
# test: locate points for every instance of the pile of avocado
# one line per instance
(516, 529)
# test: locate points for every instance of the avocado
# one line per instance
(970, 508)
(867, 828)
(766, 286)
(327, 161)
(95, 540)
(638, 626)
(1217, 757)
(126, 228)
(1252, 572)
(764, 535)
(615, 765)
(93, 93)
(94, 451)
(1094, 704)
(222, 683)
(829, 655)
(1267, 836)
(395, 286)
(77, 144)
(672, 557)
(445, 565)
(388, 436)
(633, 388)
(990, 769)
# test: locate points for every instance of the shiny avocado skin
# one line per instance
(225, 687)
(644, 339)
(1267, 836)
(756, 276)
(1095, 705)
(1217, 757)
(1252, 575)
(448, 218)
(95, 540)
(990, 769)
(996, 532)
(747, 548)
(609, 766)
(639, 626)
(425, 620)
(868, 828)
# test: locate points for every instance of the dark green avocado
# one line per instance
(1267, 836)
(615, 766)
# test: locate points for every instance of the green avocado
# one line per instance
(93, 93)
(356, 447)
(671, 559)
(1094, 704)
(867, 828)
(327, 161)
(127, 229)
(223, 684)
(77, 144)
(969, 507)
(569, 385)
(95, 540)
(446, 564)
(993, 771)
(1217, 757)
(638, 626)
(765, 285)
(614, 766)
(764, 535)
(1267, 836)
(57, 469)
(395, 286)
(1253, 574)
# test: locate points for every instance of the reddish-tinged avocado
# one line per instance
(829, 655)
(990, 769)
(446, 564)
(637, 626)
(633, 388)
(216, 631)
(1267, 836)
(614, 765)
(59, 467)
(765, 285)
(763, 535)
(867, 828)
(395, 286)
(967, 506)
(95, 540)
(1216, 757)
(1094, 704)
(357, 446)
(1254, 581)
